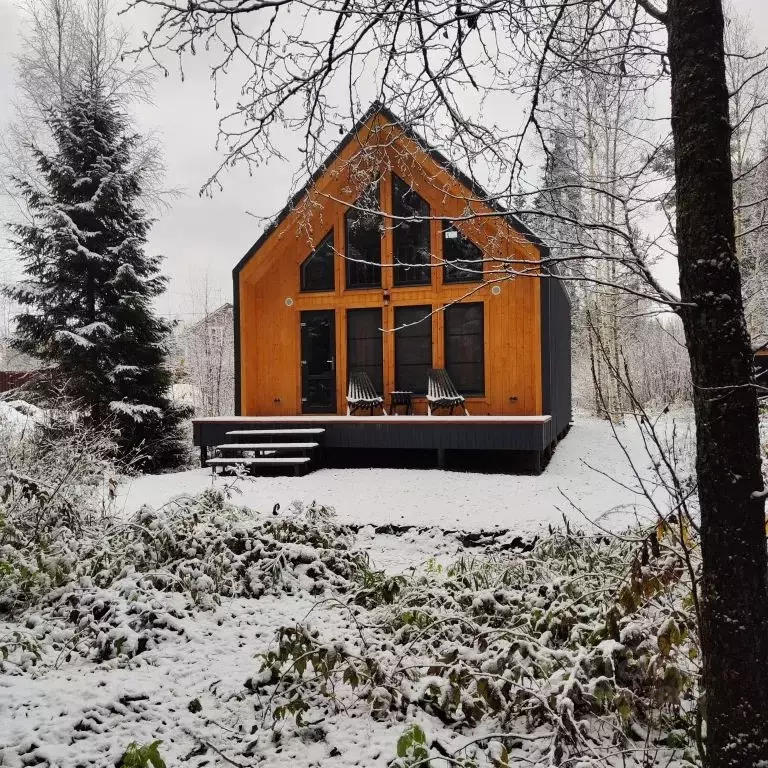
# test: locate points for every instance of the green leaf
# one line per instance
(498, 755)
(412, 737)
(154, 755)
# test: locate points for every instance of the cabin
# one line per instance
(388, 289)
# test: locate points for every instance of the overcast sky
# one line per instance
(202, 238)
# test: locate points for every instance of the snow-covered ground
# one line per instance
(72, 712)
(589, 478)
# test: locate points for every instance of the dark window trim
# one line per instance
(332, 234)
(465, 277)
(403, 266)
(380, 311)
(467, 393)
(348, 264)
(426, 312)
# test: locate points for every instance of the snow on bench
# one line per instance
(442, 392)
(362, 394)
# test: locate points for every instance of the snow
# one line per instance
(80, 341)
(95, 328)
(588, 478)
(64, 712)
(72, 712)
(137, 411)
(19, 415)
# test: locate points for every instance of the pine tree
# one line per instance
(89, 285)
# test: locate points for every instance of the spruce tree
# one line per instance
(89, 284)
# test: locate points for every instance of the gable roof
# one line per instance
(223, 312)
(379, 108)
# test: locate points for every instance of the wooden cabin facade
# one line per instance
(388, 262)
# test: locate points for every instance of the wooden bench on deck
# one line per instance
(442, 392)
(361, 394)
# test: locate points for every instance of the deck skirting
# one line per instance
(396, 440)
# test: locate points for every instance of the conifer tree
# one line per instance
(89, 284)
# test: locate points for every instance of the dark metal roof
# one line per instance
(438, 157)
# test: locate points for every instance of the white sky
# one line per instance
(203, 238)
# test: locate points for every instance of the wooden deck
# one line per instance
(495, 442)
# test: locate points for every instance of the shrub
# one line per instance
(589, 643)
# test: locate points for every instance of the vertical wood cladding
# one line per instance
(270, 299)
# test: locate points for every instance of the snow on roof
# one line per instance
(19, 414)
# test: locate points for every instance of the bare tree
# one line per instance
(457, 72)
(747, 78)
(66, 44)
(67, 41)
(205, 354)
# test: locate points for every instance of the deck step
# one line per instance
(297, 464)
(295, 450)
(285, 432)
(264, 446)
(276, 460)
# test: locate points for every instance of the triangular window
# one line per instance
(317, 272)
(462, 259)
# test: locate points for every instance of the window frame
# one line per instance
(350, 367)
(447, 225)
(426, 312)
(302, 286)
(398, 231)
(350, 264)
(449, 312)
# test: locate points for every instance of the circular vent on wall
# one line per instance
(289, 302)
(496, 290)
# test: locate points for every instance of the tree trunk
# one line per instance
(735, 596)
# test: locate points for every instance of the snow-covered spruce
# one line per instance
(88, 287)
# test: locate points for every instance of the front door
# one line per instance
(318, 362)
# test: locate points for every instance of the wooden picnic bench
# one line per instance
(362, 395)
(442, 392)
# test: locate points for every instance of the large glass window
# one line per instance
(317, 268)
(464, 348)
(363, 236)
(413, 348)
(463, 260)
(411, 235)
(364, 345)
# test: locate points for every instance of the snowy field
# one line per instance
(588, 479)
(190, 690)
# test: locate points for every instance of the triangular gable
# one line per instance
(379, 109)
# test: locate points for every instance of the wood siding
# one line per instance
(270, 301)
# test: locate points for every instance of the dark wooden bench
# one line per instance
(362, 395)
(442, 392)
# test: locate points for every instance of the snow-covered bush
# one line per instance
(57, 480)
(208, 548)
(102, 591)
(587, 645)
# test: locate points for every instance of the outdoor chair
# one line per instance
(442, 393)
(362, 395)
